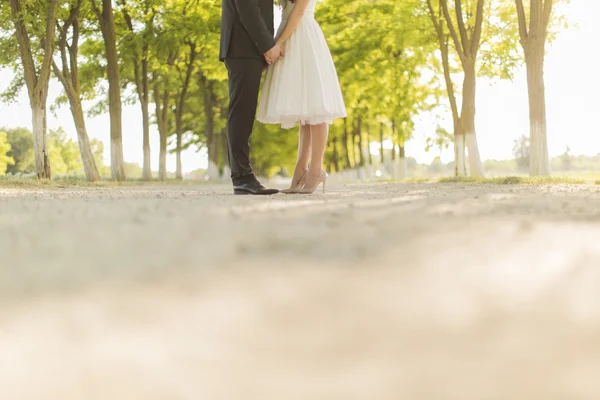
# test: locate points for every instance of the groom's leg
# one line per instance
(244, 83)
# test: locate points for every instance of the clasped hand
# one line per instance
(275, 54)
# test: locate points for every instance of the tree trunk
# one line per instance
(179, 140)
(467, 121)
(69, 77)
(466, 37)
(37, 84)
(359, 133)
(218, 141)
(162, 133)
(402, 163)
(161, 102)
(85, 148)
(178, 146)
(140, 72)
(534, 60)
(209, 112)
(147, 164)
(40, 141)
(224, 159)
(107, 24)
(347, 162)
(460, 167)
(369, 155)
(162, 161)
(145, 104)
(533, 41)
(393, 141)
(381, 150)
(181, 107)
(335, 157)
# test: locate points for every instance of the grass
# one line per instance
(516, 180)
(503, 180)
(404, 180)
(62, 182)
(417, 180)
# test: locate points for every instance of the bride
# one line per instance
(303, 89)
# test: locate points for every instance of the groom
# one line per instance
(247, 46)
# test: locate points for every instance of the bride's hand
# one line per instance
(282, 47)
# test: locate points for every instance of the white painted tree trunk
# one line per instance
(362, 174)
(475, 164)
(459, 155)
(467, 121)
(402, 168)
(226, 177)
(539, 164)
(147, 168)
(40, 141)
(213, 171)
(162, 156)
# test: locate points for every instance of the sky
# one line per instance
(572, 100)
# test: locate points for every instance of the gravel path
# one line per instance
(382, 291)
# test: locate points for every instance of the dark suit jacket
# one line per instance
(246, 29)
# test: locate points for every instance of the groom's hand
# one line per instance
(274, 54)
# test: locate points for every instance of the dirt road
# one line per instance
(383, 291)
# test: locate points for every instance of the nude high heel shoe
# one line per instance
(298, 186)
(314, 185)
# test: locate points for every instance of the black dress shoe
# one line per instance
(254, 188)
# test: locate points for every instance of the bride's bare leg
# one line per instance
(318, 135)
(304, 149)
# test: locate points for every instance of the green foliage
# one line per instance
(64, 153)
(98, 151)
(5, 159)
(440, 141)
(34, 18)
(277, 149)
(21, 142)
(133, 171)
(65, 157)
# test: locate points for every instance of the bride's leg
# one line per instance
(304, 149)
(318, 135)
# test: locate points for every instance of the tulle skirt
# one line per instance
(302, 88)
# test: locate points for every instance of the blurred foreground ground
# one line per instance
(386, 291)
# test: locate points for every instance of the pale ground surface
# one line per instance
(375, 292)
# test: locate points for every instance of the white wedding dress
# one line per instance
(302, 88)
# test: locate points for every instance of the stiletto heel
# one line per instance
(310, 189)
(298, 186)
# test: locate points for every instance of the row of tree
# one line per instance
(400, 59)
(114, 52)
(396, 60)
